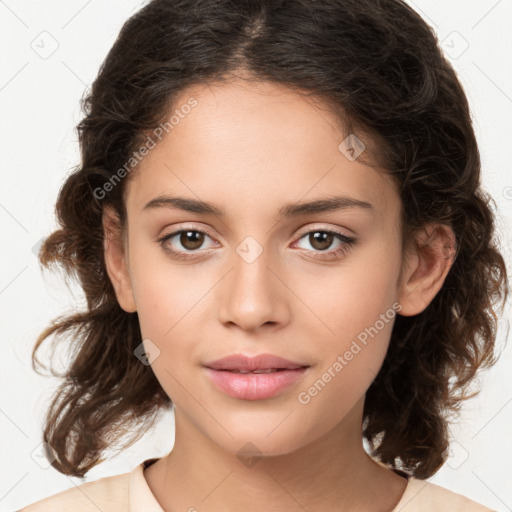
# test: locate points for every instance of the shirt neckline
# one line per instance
(142, 498)
(140, 495)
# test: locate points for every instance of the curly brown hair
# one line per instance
(380, 67)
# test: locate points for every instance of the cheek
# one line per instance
(165, 293)
(357, 307)
(348, 367)
(350, 297)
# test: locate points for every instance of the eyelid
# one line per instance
(322, 227)
(185, 227)
(308, 228)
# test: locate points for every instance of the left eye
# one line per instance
(321, 240)
(192, 240)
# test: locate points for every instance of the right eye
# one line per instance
(190, 239)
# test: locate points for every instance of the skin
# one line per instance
(249, 149)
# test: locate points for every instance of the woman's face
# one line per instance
(268, 277)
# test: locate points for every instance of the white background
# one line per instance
(39, 101)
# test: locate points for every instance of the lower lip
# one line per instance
(254, 386)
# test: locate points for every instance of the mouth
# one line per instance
(254, 377)
(261, 370)
(263, 363)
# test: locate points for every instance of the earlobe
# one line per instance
(427, 261)
(116, 260)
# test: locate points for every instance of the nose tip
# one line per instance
(252, 296)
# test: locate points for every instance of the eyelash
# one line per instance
(337, 253)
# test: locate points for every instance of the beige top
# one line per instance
(130, 493)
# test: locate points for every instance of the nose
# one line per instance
(254, 293)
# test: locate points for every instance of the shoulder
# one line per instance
(109, 494)
(423, 496)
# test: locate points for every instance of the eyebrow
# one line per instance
(323, 205)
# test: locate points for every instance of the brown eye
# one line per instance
(184, 243)
(322, 244)
(191, 240)
(321, 240)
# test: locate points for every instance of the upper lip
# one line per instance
(248, 363)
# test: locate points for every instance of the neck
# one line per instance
(333, 472)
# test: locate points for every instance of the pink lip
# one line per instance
(254, 386)
(259, 362)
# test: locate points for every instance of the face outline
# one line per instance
(249, 149)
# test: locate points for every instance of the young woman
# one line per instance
(278, 226)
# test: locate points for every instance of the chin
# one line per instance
(261, 442)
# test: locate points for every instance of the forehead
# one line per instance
(247, 141)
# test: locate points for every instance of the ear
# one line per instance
(116, 260)
(427, 260)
